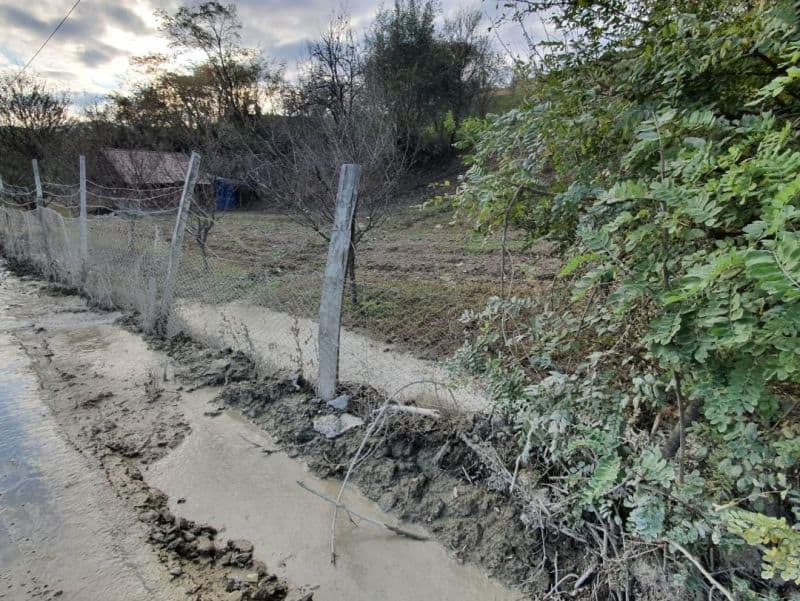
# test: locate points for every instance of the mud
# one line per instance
(232, 473)
(85, 404)
(285, 343)
(132, 412)
(418, 469)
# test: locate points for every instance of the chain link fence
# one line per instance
(233, 287)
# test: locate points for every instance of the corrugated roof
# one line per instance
(149, 167)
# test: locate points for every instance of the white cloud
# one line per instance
(90, 53)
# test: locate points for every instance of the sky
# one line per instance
(89, 56)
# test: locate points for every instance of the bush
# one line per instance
(659, 381)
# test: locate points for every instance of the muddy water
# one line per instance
(227, 480)
(63, 533)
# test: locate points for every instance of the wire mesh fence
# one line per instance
(245, 284)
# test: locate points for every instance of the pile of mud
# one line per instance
(209, 567)
(421, 469)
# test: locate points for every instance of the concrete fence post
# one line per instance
(330, 308)
(83, 222)
(174, 259)
(37, 180)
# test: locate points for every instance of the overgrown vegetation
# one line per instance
(655, 389)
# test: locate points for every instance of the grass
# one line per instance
(416, 273)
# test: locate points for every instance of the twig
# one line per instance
(258, 446)
(352, 514)
(433, 413)
(725, 592)
(378, 419)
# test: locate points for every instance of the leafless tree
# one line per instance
(334, 119)
(33, 121)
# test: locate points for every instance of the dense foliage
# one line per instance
(658, 382)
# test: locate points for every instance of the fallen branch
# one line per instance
(377, 420)
(264, 449)
(432, 413)
(352, 514)
(672, 445)
(714, 583)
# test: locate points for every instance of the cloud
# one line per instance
(16, 18)
(98, 54)
(91, 49)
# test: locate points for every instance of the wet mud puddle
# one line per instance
(62, 533)
(223, 476)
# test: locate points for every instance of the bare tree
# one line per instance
(302, 166)
(33, 119)
(334, 119)
(332, 78)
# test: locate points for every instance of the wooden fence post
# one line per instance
(173, 262)
(37, 180)
(83, 222)
(330, 308)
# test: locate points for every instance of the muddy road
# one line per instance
(124, 475)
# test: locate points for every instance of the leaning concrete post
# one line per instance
(330, 309)
(83, 222)
(173, 262)
(37, 180)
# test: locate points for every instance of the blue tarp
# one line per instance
(227, 195)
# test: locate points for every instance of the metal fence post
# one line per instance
(37, 180)
(83, 223)
(173, 262)
(330, 309)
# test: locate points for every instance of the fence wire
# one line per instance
(246, 285)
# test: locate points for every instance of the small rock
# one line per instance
(252, 577)
(340, 403)
(188, 536)
(241, 545)
(148, 516)
(260, 568)
(271, 591)
(304, 436)
(204, 545)
(157, 537)
(176, 571)
(332, 426)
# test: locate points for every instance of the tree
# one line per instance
(332, 80)
(658, 144)
(403, 63)
(240, 76)
(335, 119)
(33, 121)
(474, 67)
(426, 77)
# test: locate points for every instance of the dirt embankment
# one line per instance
(438, 473)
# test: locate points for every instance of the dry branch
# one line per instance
(352, 514)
